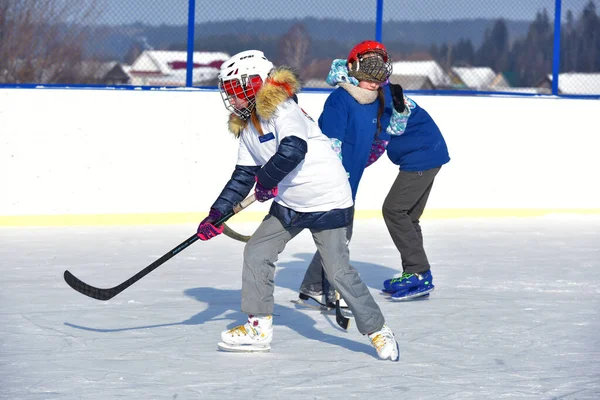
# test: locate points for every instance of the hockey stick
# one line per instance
(109, 293)
(234, 235)
(341, 320)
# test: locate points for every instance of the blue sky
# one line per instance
(175, 11)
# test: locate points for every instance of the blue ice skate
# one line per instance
(386, 285)
(409, 286)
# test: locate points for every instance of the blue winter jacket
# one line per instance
(355, 125)
(416, 141)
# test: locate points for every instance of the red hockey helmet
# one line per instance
(367, 46)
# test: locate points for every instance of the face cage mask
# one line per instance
(232, 89)
(371, 69)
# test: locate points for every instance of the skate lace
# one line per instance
(242, 331)
(378, 341)
(404, 276)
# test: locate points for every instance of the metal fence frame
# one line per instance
(378, 37)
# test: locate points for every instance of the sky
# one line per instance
(175, 11)
(515, 314)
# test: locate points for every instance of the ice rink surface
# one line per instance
(515, 315)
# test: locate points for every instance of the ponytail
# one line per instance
(381, 98)
(256, 122)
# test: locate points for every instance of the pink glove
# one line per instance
(206, 229)
(377, 149)
(263, 194)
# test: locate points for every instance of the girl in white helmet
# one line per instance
(285, 156)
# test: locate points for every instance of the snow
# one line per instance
(515, 315)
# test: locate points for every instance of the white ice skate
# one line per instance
(253, 337)
(385, 343)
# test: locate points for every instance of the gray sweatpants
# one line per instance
(315, 280)
(402, 210)
(261, 253)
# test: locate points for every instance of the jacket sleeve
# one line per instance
(290, 153)
(336, 145)
(334, 118)
(236, 189)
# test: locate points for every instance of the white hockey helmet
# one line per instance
(240, 78)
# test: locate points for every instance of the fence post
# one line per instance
(379, 21)
(189, 68)
(556, 49)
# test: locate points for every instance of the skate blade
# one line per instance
(302, 304)
(424, 295)
(243, 348)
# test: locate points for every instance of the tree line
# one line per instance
(526, 60)
(43, 41)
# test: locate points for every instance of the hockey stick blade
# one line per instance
(109, 293)
(90, 291)
(341, 320)
(227, 231)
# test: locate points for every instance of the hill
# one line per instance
(330, 36)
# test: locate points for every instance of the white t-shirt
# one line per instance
(319, 182)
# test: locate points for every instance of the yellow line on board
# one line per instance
(505, 212)
(254, 216)
(446, 213)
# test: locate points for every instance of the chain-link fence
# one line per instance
(466, 46)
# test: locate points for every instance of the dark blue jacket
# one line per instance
(355, 125)
(421, 146)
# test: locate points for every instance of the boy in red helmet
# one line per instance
(416, 145)
(355, 117)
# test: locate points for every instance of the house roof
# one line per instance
(166, 62)
(475, 77)
(97, 69)
(431, 69)
(178, 77)
(412, 82)
(578, 83)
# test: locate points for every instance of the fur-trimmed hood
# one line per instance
(282, 84)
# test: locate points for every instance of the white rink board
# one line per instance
(101, 151)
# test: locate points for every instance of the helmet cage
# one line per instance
(373, 65)
(239, 95)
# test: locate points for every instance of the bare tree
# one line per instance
(317, 69)
(42, 41)
(294, 47)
